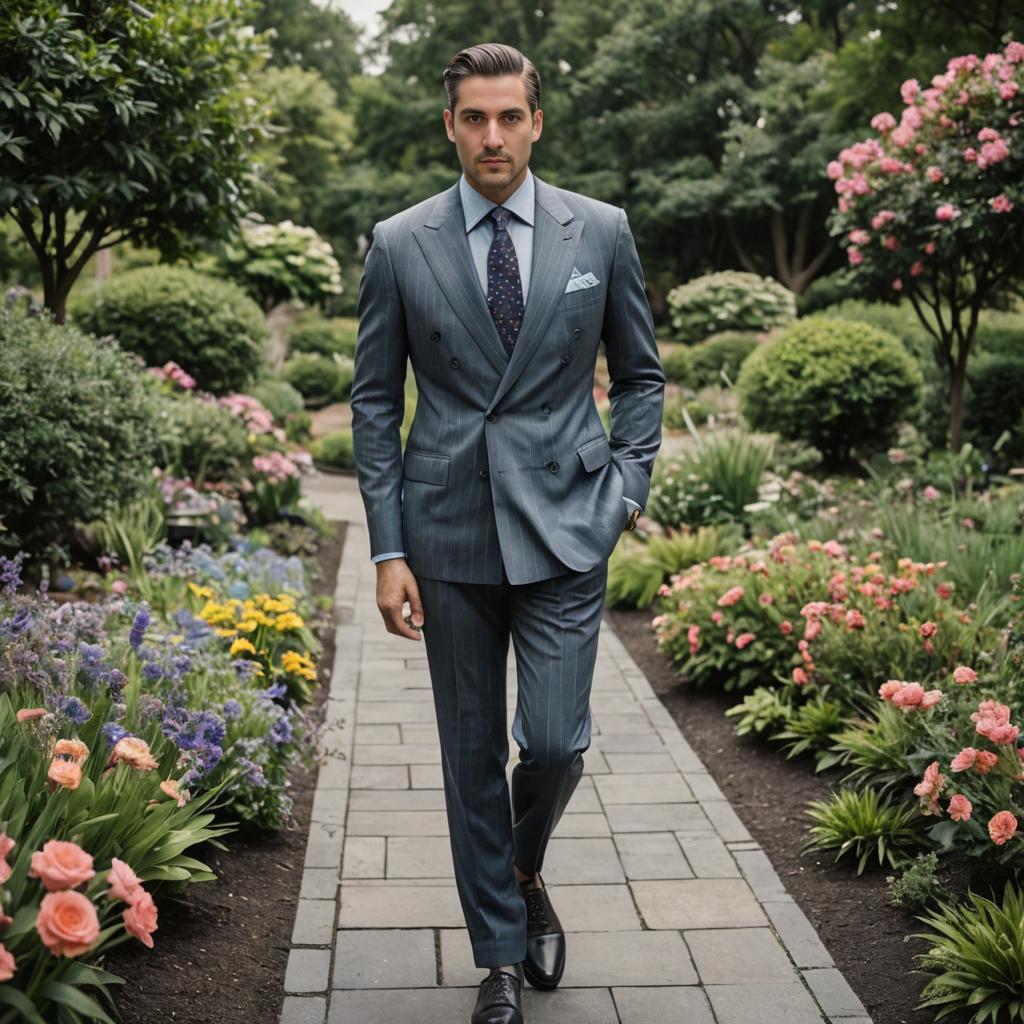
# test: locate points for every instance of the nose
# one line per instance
(492, 137)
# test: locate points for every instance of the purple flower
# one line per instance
(18, 622)
(112, 732)
(281, 731)
(232, 709)
(274, 690)
(10, 572)
(74, 709)
(139, 627)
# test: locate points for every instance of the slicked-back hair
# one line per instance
(491, 59)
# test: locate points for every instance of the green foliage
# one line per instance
(995, 399)
(730, 300)
(315, 333)
(876, 749)
(761, 712)
(278, 262)
(861, 824)
(636, 570)
(279, 398)
(116, 125)
(709, 484)
(677, 366)
(319, 379)
(975, 958)
(209, 327)
(811, 726)
(836, 385)
(78, 429)
(721, 353)
(917, 885)
(826, 291)
(334, 450)
(201, 440)
(133, 531)
(1000, 332)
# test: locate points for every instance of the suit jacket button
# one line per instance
(547, 409)
(435, 335)
(484, 474)
(491, 417)
(565, 360)
(553, 466)
(576, 332)
(454, 364)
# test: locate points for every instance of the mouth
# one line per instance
(493, 161)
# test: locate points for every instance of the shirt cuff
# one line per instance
(630, 505)
(388, 554)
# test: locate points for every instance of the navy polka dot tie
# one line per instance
(504, 286)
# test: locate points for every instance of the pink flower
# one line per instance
(1001, 827)
(909, 90)
(67, 923)
(946, 212)
(7, 964)
(27, 714)
(930, 787)
(1001, 204)
(119, 587)
(834, 170)
(855, 619)
(960, 807)
(909, 696)
(716, 617)
(61, 865)
(693, 638)
(855, 256)
(1007, 90)
(929, 248)
(883, 122)
(140, 918)
(931, 493)
(962, 674)
(897, 284)
(970, 155)
(859, 236)
(889, 688)
(964, 761)
(125, 885)
(745, 639)
(731, 596)
(766, 598)
(786, 626)
(800, 677)
(916, 268)
(927, 629)
(934, 174)
(944, 590)
(881, 219)
(728, 636)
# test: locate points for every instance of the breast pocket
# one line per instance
(581, 298)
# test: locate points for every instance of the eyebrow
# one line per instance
(473, 110)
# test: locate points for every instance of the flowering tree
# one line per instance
(933, 207)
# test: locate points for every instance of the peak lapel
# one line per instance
(556, 241)
(445, 247)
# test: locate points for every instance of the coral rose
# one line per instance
(75, 749)
(7, 965)
(134, 751)
(960, 807)
(125, 885)
(61, 865)
(65, 773)
(1001, 827)
(962, 674)
(171, 788)
(67, 923)
(26, 714)
(140, 918)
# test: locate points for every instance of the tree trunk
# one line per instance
(957, 379)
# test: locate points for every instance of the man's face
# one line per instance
(493, 132)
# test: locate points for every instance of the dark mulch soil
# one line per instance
(863, 933)
(222, 948)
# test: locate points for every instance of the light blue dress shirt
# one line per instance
(480, 229)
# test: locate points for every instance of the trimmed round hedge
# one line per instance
(79, 426)
(319, 379)
(315, 333)
(208, 326)
(726, 351)
(837, 385)
(730, 300)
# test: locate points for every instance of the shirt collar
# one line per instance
(475, 206)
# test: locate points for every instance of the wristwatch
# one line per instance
(633, 517)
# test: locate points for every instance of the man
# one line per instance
(499, 518)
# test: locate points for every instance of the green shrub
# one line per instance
(673, 412)
(899, 319)
(861, 824)
(996, 397)
(975, 959)
(278, 397)
(827, 291)
(201, 440)
(78, 429)
(209, 327)
(761, 712)
(1000, 332)
(727, 352)
(676, 365)
(836, 385)
(916, 885)
(319, 379)
(728, 300)
(334, 450)
(315, 333)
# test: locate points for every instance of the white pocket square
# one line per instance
(578, 280)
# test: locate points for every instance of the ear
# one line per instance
(538, 123)
(449, 126)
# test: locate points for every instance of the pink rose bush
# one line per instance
(934, 199)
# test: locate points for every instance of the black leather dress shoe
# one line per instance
(545, 940)
(500, 1000)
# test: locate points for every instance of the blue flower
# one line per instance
(112, 732)
(281, 731)
(232, 709)
(74, 709)
(139, 627)
(274, 690)
(18, 622)
(10, 572)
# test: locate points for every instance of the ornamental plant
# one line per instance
(932, 206)
(730, 300)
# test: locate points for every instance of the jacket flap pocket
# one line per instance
(595, 454)
(425, 466)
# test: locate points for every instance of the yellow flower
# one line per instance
(176, 638)
(270, 605)
(213, 613)
(298, 664)
(206, 592)
(247, 625)
(241, 644)
(221, 631)
(289, 620)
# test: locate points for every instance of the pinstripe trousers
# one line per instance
(553, 625)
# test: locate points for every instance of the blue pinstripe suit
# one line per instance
(506, 502)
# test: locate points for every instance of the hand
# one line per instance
(396, 585)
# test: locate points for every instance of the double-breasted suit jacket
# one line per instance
(507, 459)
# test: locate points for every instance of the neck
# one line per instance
(499, 194)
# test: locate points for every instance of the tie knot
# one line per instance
(500, 217)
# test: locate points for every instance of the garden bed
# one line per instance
(862, 931)
(221, 951)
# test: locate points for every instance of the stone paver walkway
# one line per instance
(672, 911)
